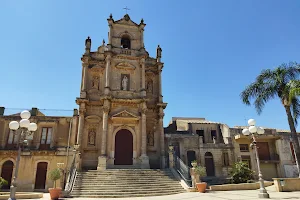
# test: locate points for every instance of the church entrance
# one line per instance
(123, 147)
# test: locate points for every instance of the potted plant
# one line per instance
(54, 176)
(200, 171)
(2, 182)
(194, 163)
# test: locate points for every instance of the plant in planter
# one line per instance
(54, 176)
(194, 163)
(241, 173)
(2, 182)
(200, 171)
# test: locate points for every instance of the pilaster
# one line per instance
(143, 88)
(162, 138)
(107, 74)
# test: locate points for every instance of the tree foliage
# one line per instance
(2, 182)
(282, 83)
(55, 175)
(241, 173)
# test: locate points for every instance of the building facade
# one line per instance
(121, 108)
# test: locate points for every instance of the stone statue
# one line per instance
(149, 87)
(95, 82)
(150, 139)
(124, 83)
(92, 136)
(214, 139)
(158, 52)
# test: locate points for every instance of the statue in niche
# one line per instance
(95, 83)
(150, 139)
(124, 82)
(92, 136)
(150, 87)
(214, 139)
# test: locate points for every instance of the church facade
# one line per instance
(121, 108)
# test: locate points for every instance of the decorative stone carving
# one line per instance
(150, 139)
(150, 86)
(95, 83)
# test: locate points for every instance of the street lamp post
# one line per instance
(296, 160)
(253, 130)
(26, 133)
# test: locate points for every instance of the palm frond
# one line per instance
(295, 109)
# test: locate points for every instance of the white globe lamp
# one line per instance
(24, 123)
(25, 114)
(252, 129)
(32, 127)
(246, 131)
(14, 125)
(251, 122)
(260, 130)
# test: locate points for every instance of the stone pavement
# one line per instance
(211, 195)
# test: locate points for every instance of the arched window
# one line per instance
(125, 42)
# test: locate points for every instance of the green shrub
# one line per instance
(55, 175)
(200, 170)
(241, 173)
(2, 182)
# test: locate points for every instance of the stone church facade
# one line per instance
(121, 108)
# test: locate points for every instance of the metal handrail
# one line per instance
(71, 177)
(183, 170)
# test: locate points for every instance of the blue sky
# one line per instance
(211, 49)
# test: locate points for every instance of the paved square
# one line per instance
(218, 195)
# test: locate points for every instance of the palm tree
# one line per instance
(277, 83)
(295, 89)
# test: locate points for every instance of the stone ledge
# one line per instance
(22, 195)
(287, 184)
(241, 186)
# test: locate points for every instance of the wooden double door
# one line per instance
(123, 147)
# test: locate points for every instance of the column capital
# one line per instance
(142, 61)
(105, 109)
(82, 111)
(108, 58)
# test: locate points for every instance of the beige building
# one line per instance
(51, 144)
(275, 152)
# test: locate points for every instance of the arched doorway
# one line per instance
(41, 174)
(209, 164)
(123, 147)
(191, 156)
(6, 173)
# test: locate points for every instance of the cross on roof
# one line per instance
(126, 9)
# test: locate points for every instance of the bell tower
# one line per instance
(120, 104)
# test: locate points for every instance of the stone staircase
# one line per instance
(125, 183)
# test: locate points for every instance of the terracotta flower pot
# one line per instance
(54, 193)
(201, 187)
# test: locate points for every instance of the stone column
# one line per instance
(83, 84)
(171, 156)
(160, 66)
(162, 139)
(110, 34)
(80, 126)
(107, 74)
(144, 135)
(143, 88)
(102, 158)
(144, 158)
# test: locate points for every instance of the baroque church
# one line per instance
(121, 108)
(119, 125)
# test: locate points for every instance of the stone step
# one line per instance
(125, 183)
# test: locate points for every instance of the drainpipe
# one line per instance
(67, 156)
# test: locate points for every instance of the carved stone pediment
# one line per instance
(93, 119)
(125, 115)
(125, 65)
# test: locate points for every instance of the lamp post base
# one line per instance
(263, 195)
